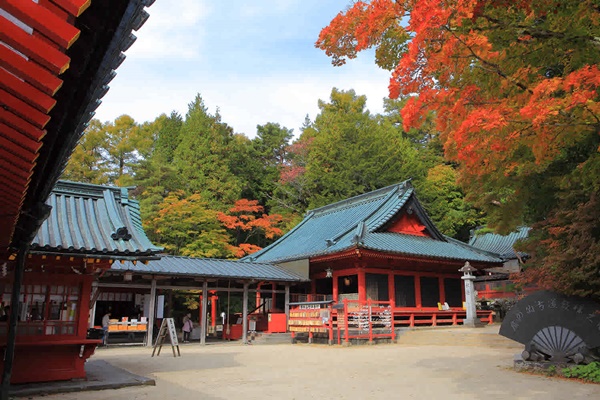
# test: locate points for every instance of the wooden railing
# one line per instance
(412, 318)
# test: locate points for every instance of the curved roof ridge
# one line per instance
(472, 248)
(252, 257)
(391, 211)
(387, 198)
(362, 198)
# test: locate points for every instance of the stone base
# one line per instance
(540, 367)
(473, 323)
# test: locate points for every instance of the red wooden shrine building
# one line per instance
(380, 246)
(89, 227)
(56, 60)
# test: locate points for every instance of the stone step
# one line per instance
(478, 337)
(272, 338)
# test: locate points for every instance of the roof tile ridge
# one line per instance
(472, 248)
(372, 195)
(387, 198)
(385, 217)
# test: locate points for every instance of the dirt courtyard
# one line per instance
(429, 364)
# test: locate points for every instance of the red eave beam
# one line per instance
(42, 20)
(19, 139)
(24, 110)
(33, 47)
(29, 71)
(21, 125)
(73, 7)
(26, 92)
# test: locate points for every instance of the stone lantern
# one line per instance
(468, 277)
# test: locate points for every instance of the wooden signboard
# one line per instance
(167, 328)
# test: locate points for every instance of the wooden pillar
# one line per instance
(200, 307)
(204, 309)
(84, 305)
(273, 296)
(245, 314)
(391, 288)
(418, 302)
(151, 313)
(9, 352)
(93, 306)
(335, 290)
(170, 305)
(442, 289)
(362, 285)
(313, 289)
(258, 299)
(287, 305)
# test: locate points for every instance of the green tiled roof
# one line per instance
(360, 222)
(94, 220)
(210, 268)
(503, 245)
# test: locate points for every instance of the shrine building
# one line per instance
(89, 227)
(57, 58)
(380, 246)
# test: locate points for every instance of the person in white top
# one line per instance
(105, 321)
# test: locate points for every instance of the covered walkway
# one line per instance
(199, 274)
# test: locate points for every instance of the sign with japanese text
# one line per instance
(548, 309)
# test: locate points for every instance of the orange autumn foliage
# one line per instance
(511, 84)
(247, 220)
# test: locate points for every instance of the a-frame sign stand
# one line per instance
(167, 328)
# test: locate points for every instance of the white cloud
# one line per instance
(256, 70)
(247, 101)
(172, 30)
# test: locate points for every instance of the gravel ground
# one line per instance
(436, 365)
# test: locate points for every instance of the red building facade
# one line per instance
(380, 246)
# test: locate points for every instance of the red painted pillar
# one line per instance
(362, 285)
(84, 305)
(313, 289)
(391, 288)
(442, 290)
(213, 310)
(335, 287)
(418, 291)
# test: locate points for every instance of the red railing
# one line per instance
(412, 318)
(370, 320)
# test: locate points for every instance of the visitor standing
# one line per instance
(188, 326)
(105, 322)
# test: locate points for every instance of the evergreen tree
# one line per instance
(201, 158)
(354, 152)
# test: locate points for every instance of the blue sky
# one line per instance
(255, 60)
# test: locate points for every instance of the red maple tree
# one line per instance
(247, 221)
(514, 88)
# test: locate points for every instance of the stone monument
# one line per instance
(555, 328)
